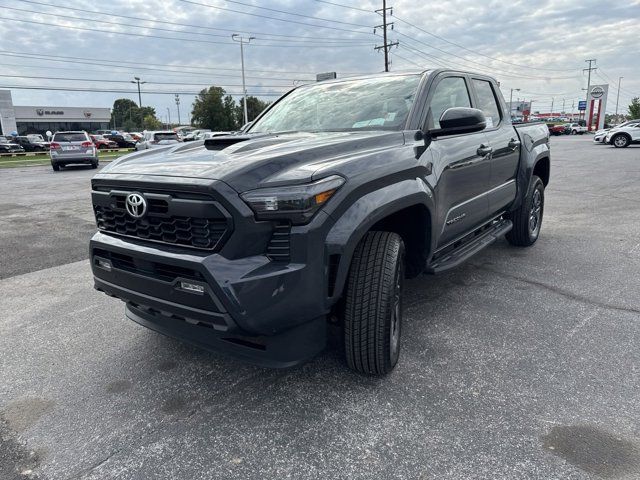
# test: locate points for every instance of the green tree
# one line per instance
(126, 115)
(255, 106)
(229, 107)
(211, 109)
(152, 123)
(634, 108)
(124, 111)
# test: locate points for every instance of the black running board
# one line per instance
(470, 248)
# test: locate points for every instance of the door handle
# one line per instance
(513, 144)
(484, 150)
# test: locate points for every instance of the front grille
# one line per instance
(167, 220)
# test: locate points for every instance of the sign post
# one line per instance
(597, 97)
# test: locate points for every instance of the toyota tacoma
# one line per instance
(255, 244)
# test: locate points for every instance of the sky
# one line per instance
(182, 46)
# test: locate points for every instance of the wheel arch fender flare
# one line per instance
(530, 158)
(364, 213)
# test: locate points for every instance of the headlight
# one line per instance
(297, 203)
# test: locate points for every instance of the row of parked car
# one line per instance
(567, 129)
(620, 136)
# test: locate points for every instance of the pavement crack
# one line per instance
(562, 292)
(89, 470)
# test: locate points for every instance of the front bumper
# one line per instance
(266, 312)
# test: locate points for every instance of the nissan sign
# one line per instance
(597, 92)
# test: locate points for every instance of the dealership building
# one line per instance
(43, 118)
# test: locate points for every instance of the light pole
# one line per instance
(178, 107)
(511, 101)
(551, 113)
(618, 96)
(169, 116)
(241, 39)
(138, 82)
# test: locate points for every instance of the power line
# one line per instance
(119, 24)
(67, 58)
(495, 71)
(135, 70)
(475, 51)
(275, 18)
(131, 92)
(449, 42)
(149, 82)
(83, 10)
(291, 13)
(320, 45)
(345, 6)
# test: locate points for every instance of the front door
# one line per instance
(461, 164)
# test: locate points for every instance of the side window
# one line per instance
(450, 92)
(487, 102)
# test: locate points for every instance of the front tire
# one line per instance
(620, 141)
(373, 304)
(527, 219)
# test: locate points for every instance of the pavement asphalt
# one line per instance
(522, 363)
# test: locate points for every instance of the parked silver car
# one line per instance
(160, 138)
(72, 148)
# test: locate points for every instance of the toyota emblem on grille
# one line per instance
(136, 205)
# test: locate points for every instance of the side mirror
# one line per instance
(459, 120)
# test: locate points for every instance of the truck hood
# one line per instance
(266, 160)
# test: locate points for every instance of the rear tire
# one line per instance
(527, 219)
(373, 304)
(56, 167)
(620, 141)
(94, 164)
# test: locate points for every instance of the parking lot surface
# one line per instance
(522, 363)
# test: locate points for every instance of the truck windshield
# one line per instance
(371, 104)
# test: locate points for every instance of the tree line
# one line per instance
(213, 109)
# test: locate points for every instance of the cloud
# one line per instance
(524, 39)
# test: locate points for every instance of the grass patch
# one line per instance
(43, 159)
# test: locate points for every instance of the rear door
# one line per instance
(460, 162)
(502, 138)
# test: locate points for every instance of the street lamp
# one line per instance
(169, 116)
(138, 82)
(618, 96)
(511, 101)
(239, 38)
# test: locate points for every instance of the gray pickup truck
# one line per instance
(252, 244)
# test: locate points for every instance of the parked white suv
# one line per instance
(72, 148)
(621, 137)
(160, 138)
(577, 129)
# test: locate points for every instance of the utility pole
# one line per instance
(242, 40)
(590, 61)
(511, 101)
(618, 96)
(178, 107)
(386, 46)
(169, 116)
(563, 106)
(551, 113)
